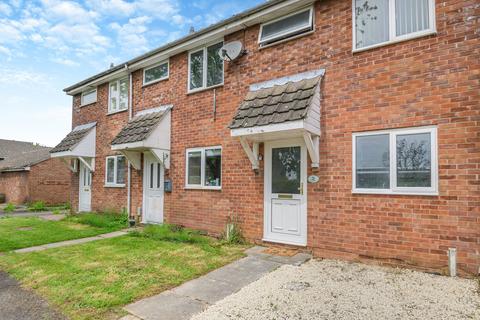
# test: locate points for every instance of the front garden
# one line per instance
(96, 279)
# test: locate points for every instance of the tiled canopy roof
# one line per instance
(139, 128)
(17, 155)
(73, 138)
(277, 104)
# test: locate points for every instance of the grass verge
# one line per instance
(95, 280)
(22, 232)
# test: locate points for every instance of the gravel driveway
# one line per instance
(330, 289)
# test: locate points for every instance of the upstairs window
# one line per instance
(205, 68)
(88, 97)
(285, 27)
(204, 168)
(115, 171)
(156, 73)
(402, 161)
(378, 22)
(118, 95)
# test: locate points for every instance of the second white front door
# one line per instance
(153, 177)
(85, 189)
(285, 203)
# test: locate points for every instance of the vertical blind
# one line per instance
(411, 16)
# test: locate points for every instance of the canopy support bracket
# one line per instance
(71, 167)
(252, 152)
(163, 156)
(313, 147)
(134, 158)
(90, 166)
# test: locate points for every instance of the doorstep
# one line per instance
(194, 296)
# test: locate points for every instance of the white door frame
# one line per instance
(81, 194)
(145, 179)
(267, 235)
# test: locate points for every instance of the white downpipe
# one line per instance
(129, 167)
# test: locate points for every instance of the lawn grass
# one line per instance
(95, 280)
(22, 232)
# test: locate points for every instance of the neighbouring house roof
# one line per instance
(139, 128)
(276, 104)
(18, 155)
(182, 41)
(73, 138)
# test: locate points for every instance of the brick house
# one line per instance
(27, 174)
(348, 128)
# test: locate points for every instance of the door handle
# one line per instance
(301, 188)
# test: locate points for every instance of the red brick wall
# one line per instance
(432, 80)
(49, 181)
(15, 186)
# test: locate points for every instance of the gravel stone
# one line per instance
(330, 289)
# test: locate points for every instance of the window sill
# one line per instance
(393, 193)
(88, 104)
(202, 188)
(114, 185)
(204, 89)
(406, 38)
(153, 82)
(115, 112)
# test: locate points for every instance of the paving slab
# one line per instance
(196, 295)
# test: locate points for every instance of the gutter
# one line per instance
(227, 26)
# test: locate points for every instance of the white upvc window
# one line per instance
(288, 26)
(380, 22)
(205, 67)
(118, 95)
(397, 161)
(204, 168)
(115, 171)
(156, 73)
(88, 97)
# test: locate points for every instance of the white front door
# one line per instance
(285, 203)
(85, 189)
(153, 172)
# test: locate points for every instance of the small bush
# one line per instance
(10, 207)
(37, 206)
(101, 220)
(173, 233)
(233, 233)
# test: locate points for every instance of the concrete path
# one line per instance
(194, 296)
(17, 303)
(41, 214)
(72, 242)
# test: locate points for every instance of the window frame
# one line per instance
(285, 36)
(393, 38)
(154, 66)
(205, 68)
(393, 133)
(113, 184)
(118, 80)
(202, 185)
(84, 93)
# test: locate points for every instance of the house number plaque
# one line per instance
(313, 179)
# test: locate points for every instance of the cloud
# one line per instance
(9, 32)
(13, 76)
(5, 9)
(67, 11)
(5, 51)
(66, 62)
(112, 7)
(131, 36)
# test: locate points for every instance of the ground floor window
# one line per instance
(204, 167)
(399, 161)
(115, 171)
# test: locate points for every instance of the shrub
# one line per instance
(233, 233)
(10, 207)
(37, 206)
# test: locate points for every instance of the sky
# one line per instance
(47, 45)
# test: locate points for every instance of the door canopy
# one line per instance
(78, 144)
(149, 130)
(280, 109)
